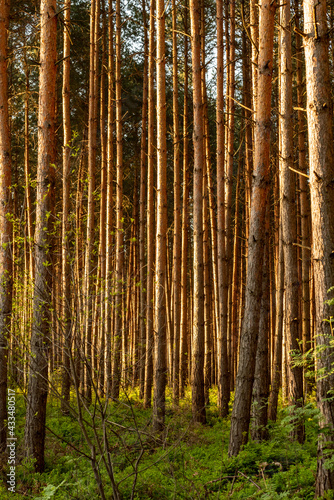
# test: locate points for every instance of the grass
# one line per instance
(189, 461)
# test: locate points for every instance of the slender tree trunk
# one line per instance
(277, 361)
(230, 122)
(161, 229)
(248, 345)
(185, 221)
(142, 218)
(92, 131)
(150, 218)
(222, 361)
(198, 402)
(116, 369)
(65, 258)
(101, 283)
(109, 203)
(288, 212)
(5, 222)
(40, 338)
(177, 217)
(319, 115)
(303, 199)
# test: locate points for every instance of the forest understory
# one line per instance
(188, 461)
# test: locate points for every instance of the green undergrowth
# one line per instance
(188, 461)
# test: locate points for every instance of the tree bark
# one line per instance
(116, 369)
(320, 133)
(150, 218)
(65, 258)
(160, 319)
(248, 345)
(222, 361)
(289, 214)
(198, 402)
(5, 222)
(109, 203)
(142, 218)
(177, 217)
(40, 338)
(92, 146)
(185, 221)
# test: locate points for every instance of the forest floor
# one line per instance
(189, 461)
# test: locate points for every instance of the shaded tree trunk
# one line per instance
(142, 218)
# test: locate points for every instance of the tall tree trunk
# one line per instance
(319, 115)
(222, 361)
(161, 229)
(303, 199)
(177, 217)
(230, 122)
(185, 221)
(289, 213)
(65, 258)
(40, 338)
(142, 218)
(100, 295)
(109, 203)
(92, 131)
(198, 402)
(248, 345)
(150, 218)
(5, 222)
(116, 369)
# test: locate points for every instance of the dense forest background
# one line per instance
(167, 240)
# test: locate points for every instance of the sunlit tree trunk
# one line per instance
(248, 344)
(6, 233)
(229, 156)
(185, 221)
(277, 360)
(40, 338)
(288, 212)
(92, 132)
(320, 133)
(222, 361)
(198, 403)
(161, 229)
(65, 257)
(150, 218)
(177, 217)
(109, 203)
(303, 198)
(116, 369)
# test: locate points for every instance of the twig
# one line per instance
(249, 479)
